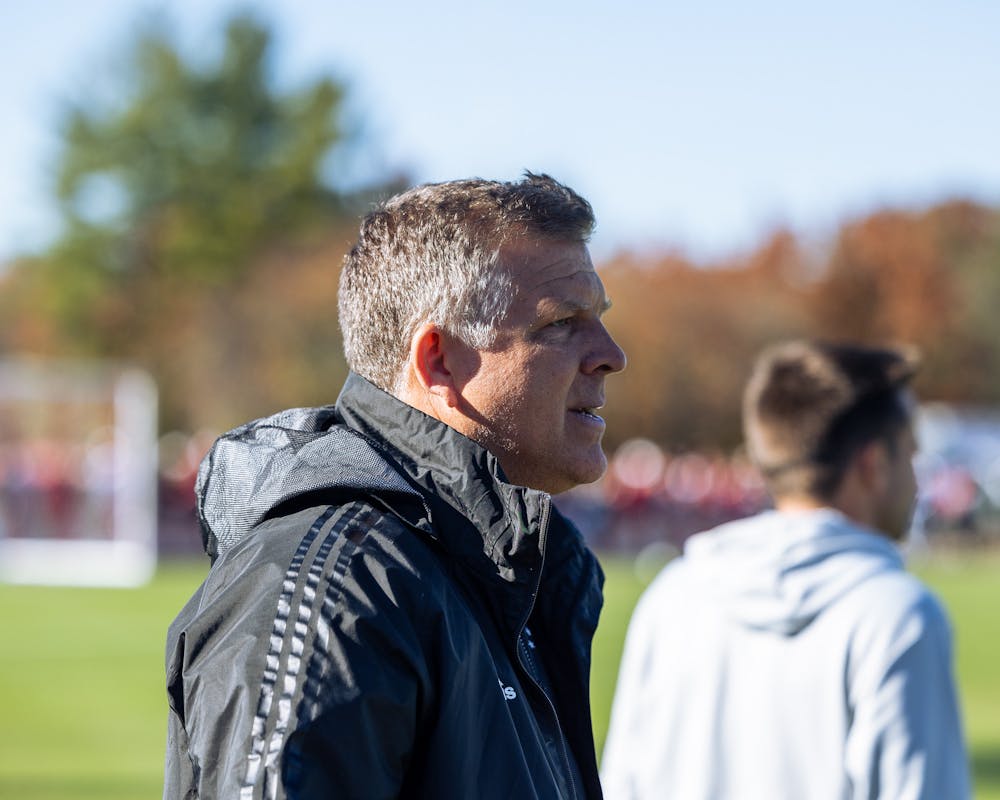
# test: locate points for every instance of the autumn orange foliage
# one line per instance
(269, 338)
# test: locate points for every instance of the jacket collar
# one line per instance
(460, 480)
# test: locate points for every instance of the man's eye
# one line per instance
(561, 323)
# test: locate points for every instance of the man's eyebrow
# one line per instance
(573, 306)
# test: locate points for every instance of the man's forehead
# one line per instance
(565, 291)
(554, 275)
(535, 263)
(541, 252)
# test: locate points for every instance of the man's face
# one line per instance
(896, 511)
(532, 398)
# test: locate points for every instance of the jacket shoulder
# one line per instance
(896, 597)
(323, 544)
(293, 620)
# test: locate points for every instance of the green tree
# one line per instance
(197, 166)
(197, 176)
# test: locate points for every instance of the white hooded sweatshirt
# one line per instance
(788, 655)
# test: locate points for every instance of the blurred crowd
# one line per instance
(57, 488)
(649, 497)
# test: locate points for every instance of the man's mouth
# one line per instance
(588, 411)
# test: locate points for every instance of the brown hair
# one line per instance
(809, 407)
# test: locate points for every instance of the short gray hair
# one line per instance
(432, 254)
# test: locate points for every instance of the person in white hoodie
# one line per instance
(789, 655)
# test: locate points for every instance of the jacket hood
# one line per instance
(778, 571)
(259, 466)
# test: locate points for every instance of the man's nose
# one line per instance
(606, 356)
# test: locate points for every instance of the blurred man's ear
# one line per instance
(865, 483)
(873, 466)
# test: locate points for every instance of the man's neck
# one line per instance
(854, 511)
(797, 504)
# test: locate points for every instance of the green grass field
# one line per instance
(82, 697)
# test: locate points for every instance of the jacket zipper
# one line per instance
(521, 650)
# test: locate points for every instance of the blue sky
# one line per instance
(693, 126)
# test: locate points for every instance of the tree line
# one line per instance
(927, 278)
(203, 235)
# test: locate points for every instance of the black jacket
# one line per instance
(381, 615)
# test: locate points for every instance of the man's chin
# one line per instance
(584, 474)
(557, 476)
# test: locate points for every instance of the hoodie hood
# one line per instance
(264, 464)
(778, 571)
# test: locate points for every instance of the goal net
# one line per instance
(77, 474)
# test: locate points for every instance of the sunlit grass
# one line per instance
(82, 686)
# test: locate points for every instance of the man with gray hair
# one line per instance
(395, 608)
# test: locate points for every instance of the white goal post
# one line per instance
(78, 471)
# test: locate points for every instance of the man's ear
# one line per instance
(873, 467)
(431, 361)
